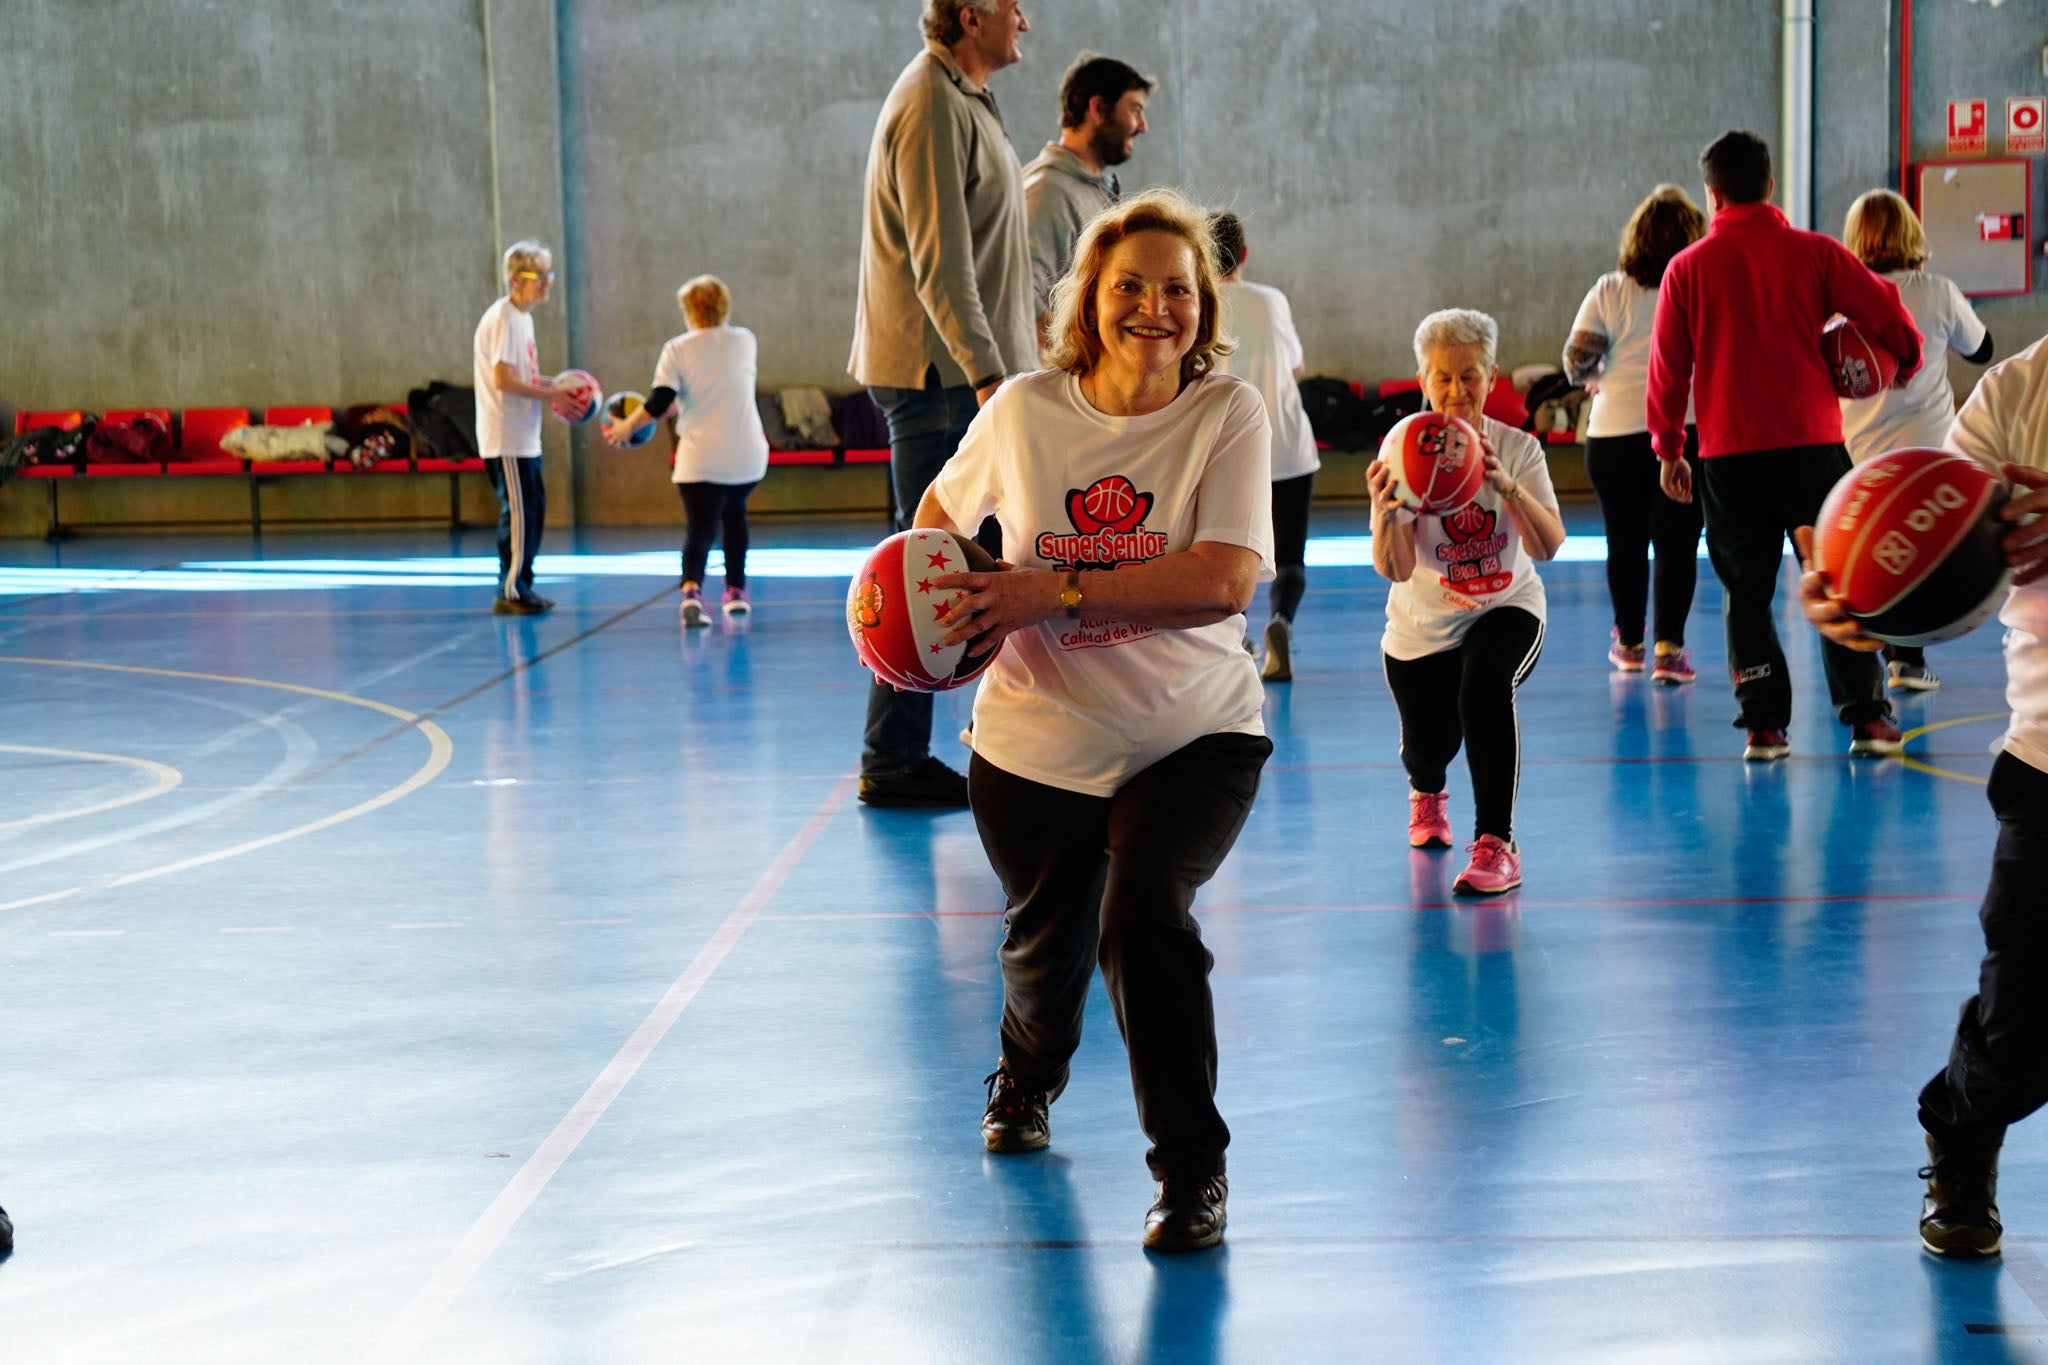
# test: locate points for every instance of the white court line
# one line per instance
(431, 924)
(406, 1335)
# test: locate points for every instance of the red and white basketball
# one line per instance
(1860, 365)
(577, 397)
(1436, 461)
(1911, 542)
(894, 613)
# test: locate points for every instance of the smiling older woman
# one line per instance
(1465, 616)
(1117, 737)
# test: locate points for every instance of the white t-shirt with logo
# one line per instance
(506, 423)
(1085, 705)
(718, 429)
(1920, 413)
(2005, 419)
(1257, 318)
(1470, 560)
(1624, 312)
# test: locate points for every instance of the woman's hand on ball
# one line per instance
(1379, 481)
(2026, 545)
(1496, 472)
(998, 604)
(1823, 608)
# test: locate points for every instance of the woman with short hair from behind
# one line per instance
(1885, 234)
(1117, 735)
(1609, 352)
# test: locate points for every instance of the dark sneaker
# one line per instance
(1279, 664)
(1959, 1216)
(931, 785)
(1874, 739)
(1015, 1119)
(1187, 1215)
(1904, 677)
(520, 606)
(1766, 746)
(6, 1233)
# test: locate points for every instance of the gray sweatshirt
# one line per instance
(1061, 196)
(945, 264)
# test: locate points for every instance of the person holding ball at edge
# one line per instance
(1997, 1072)
(1117, 736)
(510, 391)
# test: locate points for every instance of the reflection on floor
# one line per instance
(388, 980)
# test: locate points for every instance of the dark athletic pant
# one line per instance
(1291, 498)
(712, 510)
(1752, 502)
(1466, 694)
(925, 428)
(1997, 1071)
(1114, 878)
(522, 516)
(1624, 471)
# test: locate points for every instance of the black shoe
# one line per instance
(1015, 1119)
(1959, 1216)
(519, 606)
(930, 785)
(1279, 665)
(1188, 1214)
(6, 1233)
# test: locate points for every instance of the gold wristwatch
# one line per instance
(1070, 595)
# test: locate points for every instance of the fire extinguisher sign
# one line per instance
(1966, 132)
(2026, 125)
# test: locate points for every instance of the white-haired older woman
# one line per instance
(1465, 615)
(1117, 736)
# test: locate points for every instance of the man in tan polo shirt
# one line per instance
(945, 309)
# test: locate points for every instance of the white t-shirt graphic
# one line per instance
(1470, 560)
(1084, 705)
(506, 423)
(718, 429)
(1268, 353)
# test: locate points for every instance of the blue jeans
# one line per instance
(925, 427)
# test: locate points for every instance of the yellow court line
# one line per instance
(1919, 767)
(167, 777)
(441, 750)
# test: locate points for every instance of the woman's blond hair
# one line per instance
(705, 301)
(1075, 345)
(1885, 233)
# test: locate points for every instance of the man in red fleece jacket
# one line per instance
(1738, 328)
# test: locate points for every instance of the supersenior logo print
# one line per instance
(1471, 556)
(1108, 517)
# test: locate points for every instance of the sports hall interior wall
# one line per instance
(278, 202)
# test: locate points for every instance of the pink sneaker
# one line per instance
(1625, 658)
(693, 612)
(1495, 867)
(1429, 819)
(736, 603)
(1673, 667)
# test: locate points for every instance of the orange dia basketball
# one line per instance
(1911, 542)
(893, 612)
(1860, 365)
(1436, 462)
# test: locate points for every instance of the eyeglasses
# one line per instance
(549, 275)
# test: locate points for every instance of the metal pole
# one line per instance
(1795, 181)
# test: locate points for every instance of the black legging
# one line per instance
(1466, 694)
(1291, 498)
(1624, 472)
(709, 510)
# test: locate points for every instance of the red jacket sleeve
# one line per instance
(1872, 303)
(1671, 363)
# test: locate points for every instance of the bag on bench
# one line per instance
(138, 438)
(443, 421)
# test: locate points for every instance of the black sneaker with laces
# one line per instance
(931, 785)
(6, 1233)
(1959, 1216)
(1279, 664)
(1015, 1120)
(1188, 1214)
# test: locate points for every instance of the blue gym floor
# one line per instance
(385, 980)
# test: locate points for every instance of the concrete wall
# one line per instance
(284, 202)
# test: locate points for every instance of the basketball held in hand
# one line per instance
(895, 614)
(1436, 462)
(577, 397)
(1910, 542)
(621, 411)
(1860, 365)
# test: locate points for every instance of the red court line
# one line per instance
(413, 1326)
(1474, 903)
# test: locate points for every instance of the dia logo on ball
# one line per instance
(1910, 540)
(1436, 461)
(895, 614)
